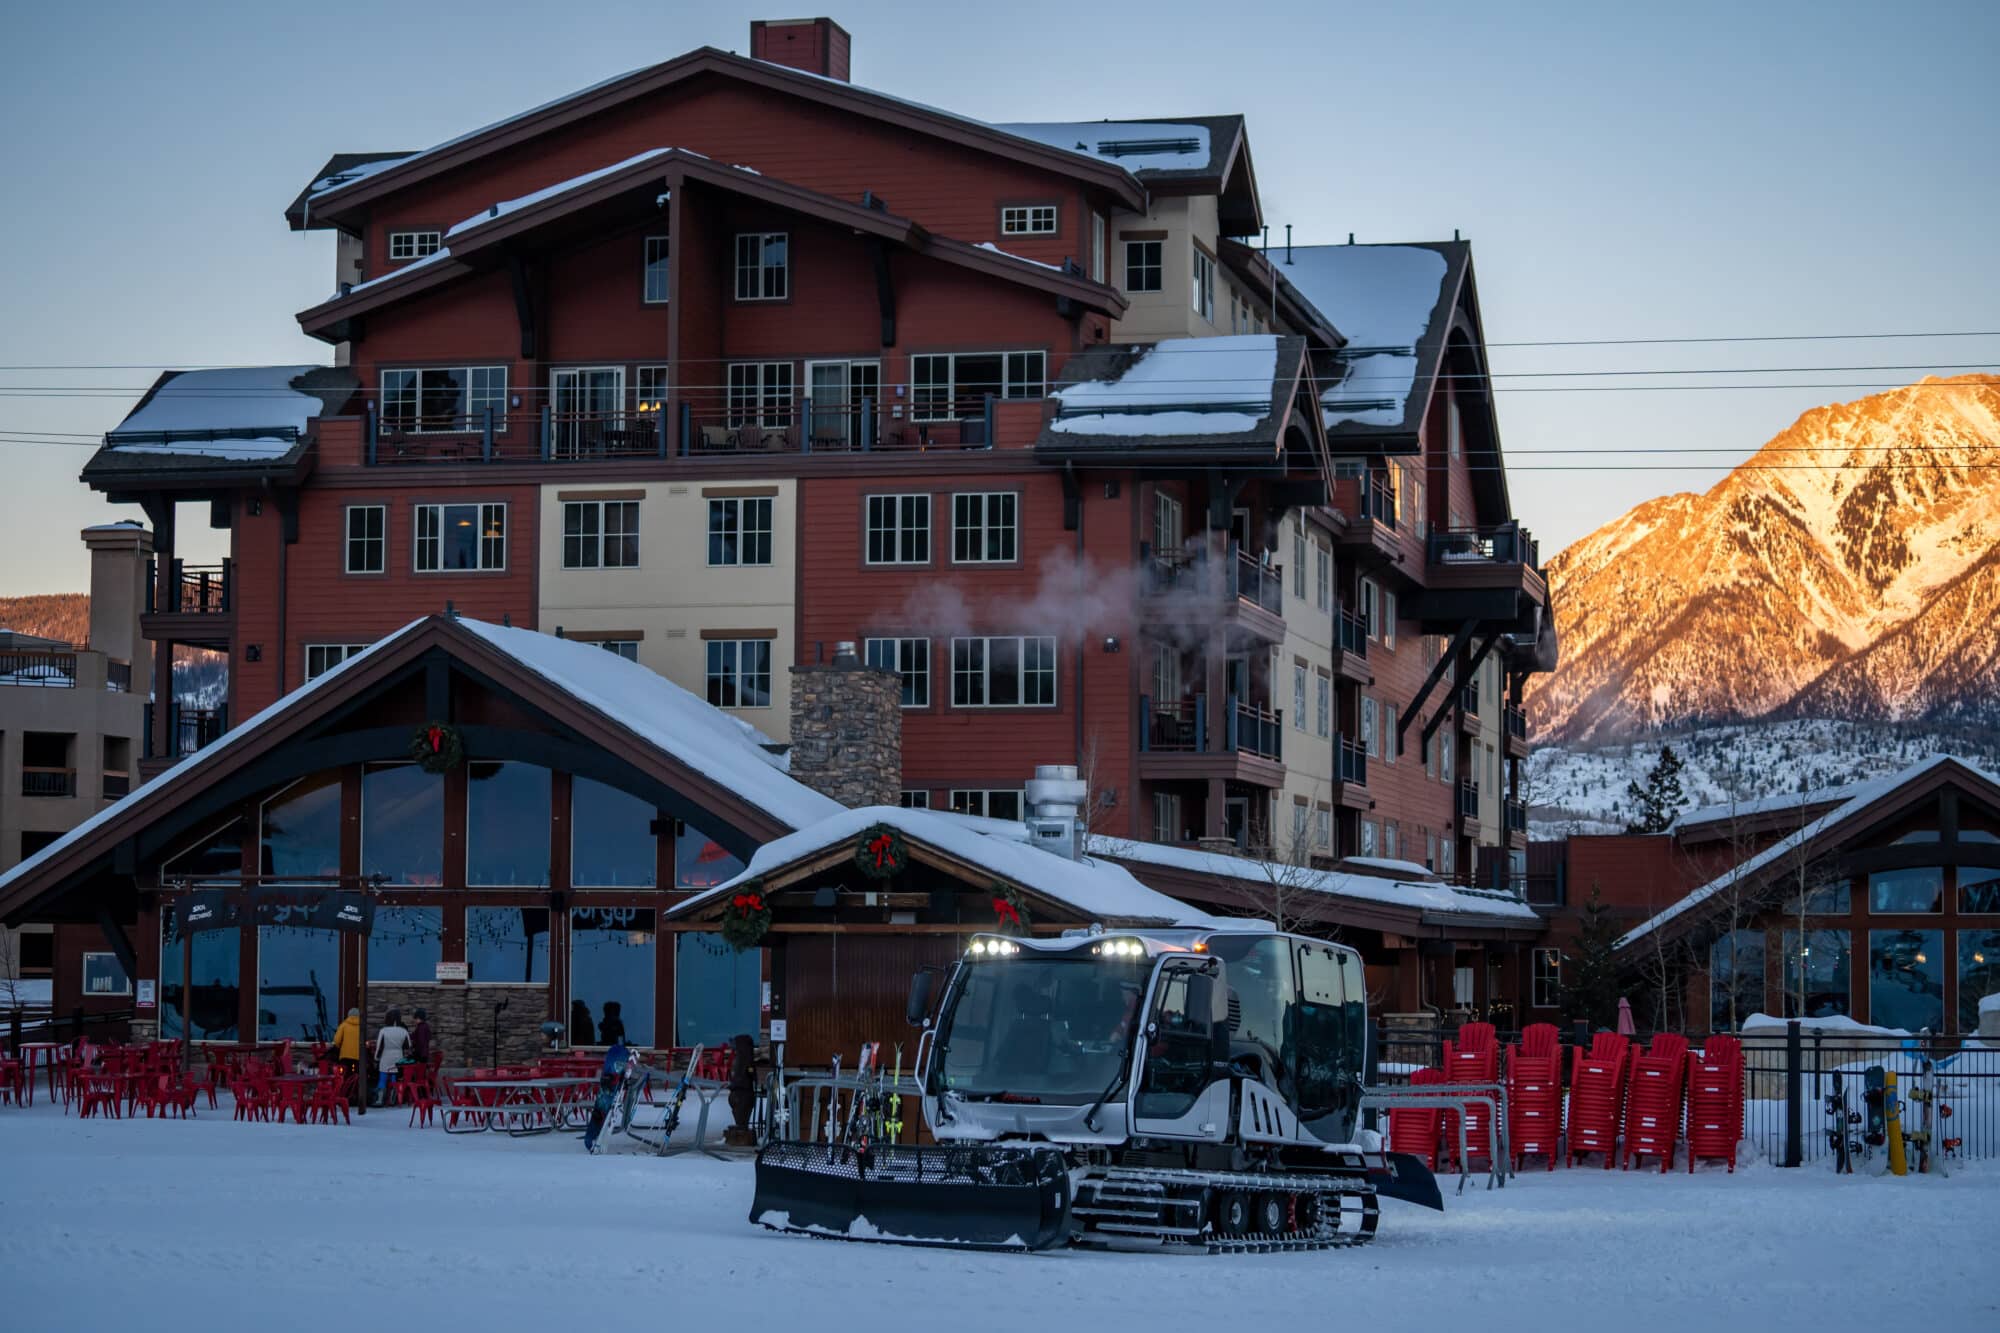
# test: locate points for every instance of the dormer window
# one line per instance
(414, 244)
(1028, 220)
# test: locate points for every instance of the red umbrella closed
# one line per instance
(1626, 1027)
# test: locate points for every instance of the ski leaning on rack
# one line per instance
(613, 1109)
(671, 1121)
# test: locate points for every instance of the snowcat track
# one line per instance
(1168, 1209)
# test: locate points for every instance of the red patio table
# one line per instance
(11, 1079)
(44, 1053)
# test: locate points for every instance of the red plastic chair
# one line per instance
(1415, 1130)
(417, 1089)
(1597, 1098)
(1715, 1101)
(1534, 1106)
(329, 1103)
(100, 1094)
(1476, 1037)
(1541, 1040)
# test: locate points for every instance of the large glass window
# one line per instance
(298, 983)
(985, 527)
(444, 398)
(910, 659)
(899, 529)
(405, 944)
(507, 810)
(507, 944)
(402, 824)
(739, 531)
(216, 988)
(1915, 889)
(1007, 672)
(222, 854)
(1978, 889)
(739, 673)
(1263, 1026)
(1823, 962)
(611, 838)
(301, 834)
(1978, 973)
(955, 386)
(1735, 979)
(611, 959)
(1906, 979)
(461, 537)
(718, 992)
(700, 862)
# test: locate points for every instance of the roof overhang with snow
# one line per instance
(195, 429)
(589, 712)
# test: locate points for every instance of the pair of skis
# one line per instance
(874, 1110)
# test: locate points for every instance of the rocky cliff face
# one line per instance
(1850, 568)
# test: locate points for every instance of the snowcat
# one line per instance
(1160, 1089)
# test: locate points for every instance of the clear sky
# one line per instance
(1623, 171)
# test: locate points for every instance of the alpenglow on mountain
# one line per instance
(1859, 580)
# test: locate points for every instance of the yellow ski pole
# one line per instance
(1893, 1117)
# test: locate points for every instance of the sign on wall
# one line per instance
(143, 997)
(460, 971)
(279, 905)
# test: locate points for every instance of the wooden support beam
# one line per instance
(1416, 704)
(114, 935)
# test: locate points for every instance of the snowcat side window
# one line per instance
(1329, 1061)
(1180, 1045)
(1262, 999)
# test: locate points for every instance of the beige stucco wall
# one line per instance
(1169, 312)
(674, 594)
(1308, 635)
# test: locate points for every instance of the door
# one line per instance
(1182, 1086)
(718, 992)
(1236, 820)
(586, 402)
(840, 390)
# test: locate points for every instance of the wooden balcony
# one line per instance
(1176, 741)
(1515, 732)
(1350, 779)
(1188, 588)
(1371, 536)
(1489, 575)
(1350, 648)
(197, 605)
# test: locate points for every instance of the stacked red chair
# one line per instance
(1597, 1097)
(1474, 1057)
(1653, 1106)
(1415, 1130)
(1715, 1101)
(1534, 1095)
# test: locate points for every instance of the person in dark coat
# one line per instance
(581, 1033)
(420, 1039)
(611, 1027)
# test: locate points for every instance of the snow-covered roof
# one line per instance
(716, 744)
(1860, 796)
(1427, 895)
(1175, 387)
(1763, 805)
(1096, 890)
(1382, 297)
(1136, 145)
(120, 525)
(502, 208)
(223, 412)
(1394, 866)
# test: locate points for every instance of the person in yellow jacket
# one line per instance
(347, 1052)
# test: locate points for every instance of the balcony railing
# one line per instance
(197, 590)
(117, 785)
(1353, 630)
(1508, 544)
(1256, 730)
(1468, 698)
(37, 781)
(118, 676)
(44, 669)
(1187, 571)
(188, 730)
(1353, 763)
(1517, 816)
(1378, 502)
(1174, 727)
(1257, 583)
(1468, 799)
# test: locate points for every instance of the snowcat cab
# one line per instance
(1178, 1087)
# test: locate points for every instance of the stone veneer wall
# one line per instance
(847, 732)
(461, 1019)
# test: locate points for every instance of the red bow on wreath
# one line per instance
(748, 902)
(883, 848)
(434, 735)
(1004, 911)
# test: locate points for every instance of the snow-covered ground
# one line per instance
(212, 1225)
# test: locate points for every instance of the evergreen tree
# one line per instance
(1659, 802)
(1590, 974)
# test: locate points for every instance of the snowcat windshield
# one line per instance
(1041, 1028)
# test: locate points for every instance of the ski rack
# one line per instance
(1454, 1097)
(807, 1112)
(705, 1090)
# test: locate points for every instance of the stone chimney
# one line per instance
(817, 46)
(118, 555)
(847, 730)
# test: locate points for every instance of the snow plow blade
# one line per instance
(1409, 1180)
(967, 1197)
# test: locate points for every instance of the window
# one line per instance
(1388, 733)
(899, 529)
(1447, 749)
(1371, 611)
(1978, 973)
(760, 394)
(1203, 292)
(461, 537)
(700, 862)
(1001, 803)
(1166, 675)
(444, 398)
(507, 807)
(625, 648)
(1735, 979)
(600, 534)
(300, 829)
(402, 824)
(1322, 577)
(1369, 739)
(103, 974)
(1166, 817)
(1906, 979)
(367, 539)
(507, 945)
(612, 959)
(1003, 672)
(739, 530)
(984, 528)
(1545, 987)
(1447, 857)
(739, 673)
(1390, 839)
(763, 266)
(1323, 704)
(414, 244)
(1028, 220)
(954, 386)
(658, 271)
(1301, 827)
(1455, 432)
(1167, 530)
(1299, 563)
(1918, 889)
(651, 389)
(1978, 888)
(298, 982)
(910, 659)
(1368, 837)
(915, 798)
(1821, 900)
(405, 944)
(1822, 961)
(324, 657)
(1388, 619)
(214, 965)
(1142, 266)
(1097, 247)
(1419, 513)
(612, 842)
(1323, 827)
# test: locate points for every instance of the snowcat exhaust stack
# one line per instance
(967, 1197)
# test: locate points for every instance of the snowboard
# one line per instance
(613, 1108)
(1873, 1095)
(1840, 1128)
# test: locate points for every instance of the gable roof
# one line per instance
(1179, 396)
(1171, 155)
(659, 727)
(1090, 889)
(1866, 803)
(485, 239)
(344, 199)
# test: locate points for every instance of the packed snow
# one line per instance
(241, 398)
(1834, 1024)
(1157, 423)
(1215, 374)
(210, 1225)
(1380, 297)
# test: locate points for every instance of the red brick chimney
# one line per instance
(817, 46)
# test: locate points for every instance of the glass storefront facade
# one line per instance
(298, 983)
(402, 824)
(1978, 973)
(611, 838)
(1736, 979)
(216, 968)
(1906, 979)
(507, 945)
(613, 960)
(1821, 966)
(507, 809)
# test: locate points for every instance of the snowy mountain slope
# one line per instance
(1866, 525)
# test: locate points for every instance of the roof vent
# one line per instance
(1142, 147)
(1055, 799)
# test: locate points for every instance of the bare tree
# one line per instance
(1099, 800)
(1280, 885)
(1804, 872)
(1734, 906)
(10, 968)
